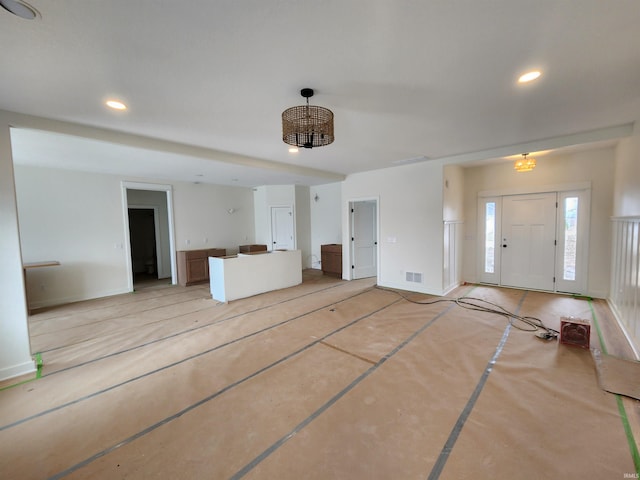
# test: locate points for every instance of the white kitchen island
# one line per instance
(244, 275)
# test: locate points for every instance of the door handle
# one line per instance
(504, 246)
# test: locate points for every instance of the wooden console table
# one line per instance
(30, 265)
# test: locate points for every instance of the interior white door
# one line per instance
(364, 239)
(282, 228)
(528, 241)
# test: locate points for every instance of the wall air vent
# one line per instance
(414, 277)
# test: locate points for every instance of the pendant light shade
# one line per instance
(525, 164)
(307, 125)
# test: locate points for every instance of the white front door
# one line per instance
(282, 228)
(364, 239)
(528, 241)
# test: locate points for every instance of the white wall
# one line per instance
(264, 198)
(303, 224)
(294, 196)
(326, 224)
(262, 217)
(77, 218)
(453, 217)
(625, 278)
(316, 222)
(410, 202)
(15, 351)
(627, 176)
(453, 193)
(202, 218)
(595, 166)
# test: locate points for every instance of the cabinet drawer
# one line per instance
(193, 265)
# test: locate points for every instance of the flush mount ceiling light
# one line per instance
(115, 104)
(525, 164)
(307, 125)
(529, 76)
(19, 8)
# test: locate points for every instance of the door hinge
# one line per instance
(352, 239)
(555, 242)
(554, 279)
(352, 210)
(353, 266)
(556, 204)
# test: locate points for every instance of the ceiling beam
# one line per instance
(19, 120)
(591, 136)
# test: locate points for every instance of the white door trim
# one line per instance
(578, 286)
(347, 260)
(582, 190)
(293, 225)
(168, 189)
(561, 187)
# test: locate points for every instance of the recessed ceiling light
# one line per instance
(19, 8)
(116, 105)
(529, 76)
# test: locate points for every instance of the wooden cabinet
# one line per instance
(252, 248)
(193, 265)
(331, 259)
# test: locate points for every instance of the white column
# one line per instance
(15, 355)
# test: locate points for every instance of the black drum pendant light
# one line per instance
(307, 125)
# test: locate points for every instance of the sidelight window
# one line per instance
(570, 238)
(490, 237)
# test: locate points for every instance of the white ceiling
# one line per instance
(404, 78)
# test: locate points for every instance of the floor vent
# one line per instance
(414, 277)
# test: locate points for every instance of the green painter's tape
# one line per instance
(623, 413)
(38, 359)
(39, 364)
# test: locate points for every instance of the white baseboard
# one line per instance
(52, 302)
(625, 331)
(17, 370)
(410, 287)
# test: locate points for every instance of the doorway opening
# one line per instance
(144, 237)
(149, 236)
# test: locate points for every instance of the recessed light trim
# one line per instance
(529, 76)
(115, 104)
(20, 9)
